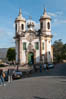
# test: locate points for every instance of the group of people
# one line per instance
(3, 76)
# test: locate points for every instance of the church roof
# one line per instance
(20, 17)
(45, 15)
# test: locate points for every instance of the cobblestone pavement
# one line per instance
(46, 85)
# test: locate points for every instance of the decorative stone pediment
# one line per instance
(30, 47)
(30, 37)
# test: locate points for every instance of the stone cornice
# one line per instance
(20, 21)
(44, 35)
(44, 18)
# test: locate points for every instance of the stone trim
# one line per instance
(40, 50)
(20, 21)
(45, 50)
(19, 51)
(45, 18)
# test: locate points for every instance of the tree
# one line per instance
(58, 50)
(11, 54)
(64, 52)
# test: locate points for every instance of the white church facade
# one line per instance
(33, 46)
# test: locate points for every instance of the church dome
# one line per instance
(20, 17)
(30, 24)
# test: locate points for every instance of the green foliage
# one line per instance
(59, 51)
(11, 54)
(64, 52)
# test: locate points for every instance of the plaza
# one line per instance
(45, 85)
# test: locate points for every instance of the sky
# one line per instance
(9, 10)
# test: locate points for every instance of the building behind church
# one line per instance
(33, 46)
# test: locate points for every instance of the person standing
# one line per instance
(2, 76)
(9, 75)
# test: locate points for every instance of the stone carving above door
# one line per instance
(30, 37)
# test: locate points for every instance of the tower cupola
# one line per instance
(45, 23)
(20, 17)
(45, 15)
(20, 23)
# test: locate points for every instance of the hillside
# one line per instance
(3, 52)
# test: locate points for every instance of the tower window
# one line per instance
(22, 26)
(43, 46)
(41, 25)
(24, 46)
(48, 25)
(16, 27)
(36, 45)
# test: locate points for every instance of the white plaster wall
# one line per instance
(48, 50)
(23, 56)
(43, 51)
(16, 51)
(23, 51)
(37, 51)
(44, 25)
(21, 24)
(48, 33)
(45, 28)
(19, 29)
(47, 20)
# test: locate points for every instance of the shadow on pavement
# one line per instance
(35, 97)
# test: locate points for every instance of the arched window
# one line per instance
(24, 46)
(37, 45)
(16, 27)
(48, 25)
(22, 26)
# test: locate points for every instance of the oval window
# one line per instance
(48, 25)
(22, 26)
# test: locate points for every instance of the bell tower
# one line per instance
(46, 36)
(45, 23)
(20, 23)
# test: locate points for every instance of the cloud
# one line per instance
(56, 14)
(26, 13)
(52, 14)
(57, 18)
(58, 22)
(59, 13)
(37, 26)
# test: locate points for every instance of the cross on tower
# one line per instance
(30, 17)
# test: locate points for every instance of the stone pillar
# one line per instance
(19, 51)
(40, 49)
(46, 51)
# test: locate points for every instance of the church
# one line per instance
(33, 46)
